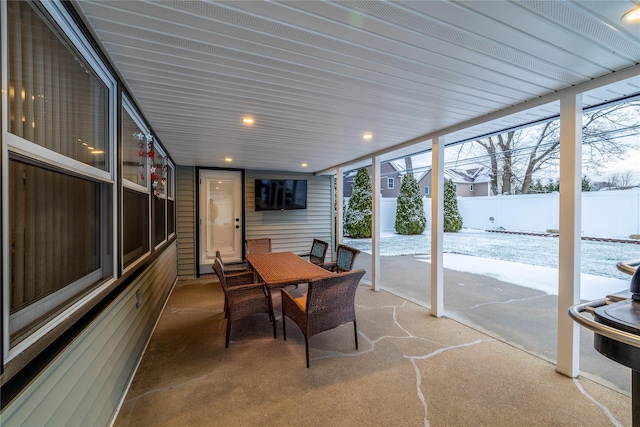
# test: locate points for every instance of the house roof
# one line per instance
(471, 176)
(316, 75)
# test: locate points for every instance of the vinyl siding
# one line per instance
(88, 380)
(292, 230)
(186, 220)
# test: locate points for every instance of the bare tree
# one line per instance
(621, 181)
(516, 157)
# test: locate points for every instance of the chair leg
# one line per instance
(284, 327)
(355, 331)
(284, 322)
(306, 347)
(226, 344)
(275, 334)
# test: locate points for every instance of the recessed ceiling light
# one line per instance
(633, 15)
(304, 165)
(228, 159)
(247, 120)
(367, 136)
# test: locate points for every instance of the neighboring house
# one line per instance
(468, 183)
(472, 182)
(390, 179)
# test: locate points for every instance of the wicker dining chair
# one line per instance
(318, 252)
(258, 246)
(233, 268)
(235, 275)
(345, 258)
(327, 304)
(243, 300)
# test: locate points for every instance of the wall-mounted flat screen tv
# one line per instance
(280, 194)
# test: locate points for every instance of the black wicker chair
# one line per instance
(258, 246)
(318, 252)
(244, 299)
(345, 257)
(328, 303)
(233, 268)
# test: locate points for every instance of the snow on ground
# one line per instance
(529, 261)
(544, 279)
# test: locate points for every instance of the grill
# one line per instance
(616, 326)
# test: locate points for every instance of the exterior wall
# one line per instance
(462, 188)
(386, 171)
(186, 222)
(87, 381)
(292, 230)
(425, 181)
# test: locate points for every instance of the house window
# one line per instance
(160, 166)
(426, 190)
(56, 100)
(135, 225)
(134, 147)
(60, 184)
(455, 187)
(471, 187)
(171, 200)
(135, 192)
(60, 229)
(390, 182)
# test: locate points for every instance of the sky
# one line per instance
(629, 164)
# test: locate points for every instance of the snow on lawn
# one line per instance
(530, 261)
(544, 279)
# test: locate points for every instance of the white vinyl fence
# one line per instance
(604, 213)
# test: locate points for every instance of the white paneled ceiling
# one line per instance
(316, 75)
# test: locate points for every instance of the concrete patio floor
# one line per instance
(523, 317)
(412, 369)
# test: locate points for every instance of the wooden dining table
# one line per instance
(280, 269)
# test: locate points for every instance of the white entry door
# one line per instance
(220, 217)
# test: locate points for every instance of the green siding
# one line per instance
(88, 380)
(186, 220)
(292, 230)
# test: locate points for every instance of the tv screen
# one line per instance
(280, 194)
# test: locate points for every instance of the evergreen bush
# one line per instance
(357, 219)
(452, 218)
(410, 218)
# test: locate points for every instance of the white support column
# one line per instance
(339, 209)
(437, 225)
(376, 211)
(570, 230)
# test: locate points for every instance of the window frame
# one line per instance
(159, 152)
(390, 183)
(171, 191)
(65, 26)
(427, 191)
(470, 187)
(128, 106)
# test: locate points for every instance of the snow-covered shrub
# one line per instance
(410, 218)
(452, 218)
(357, 220)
